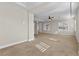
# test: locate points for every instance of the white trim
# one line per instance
(21, 4)
(12, 44)
(31, 39)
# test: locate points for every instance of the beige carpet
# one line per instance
(44, 45)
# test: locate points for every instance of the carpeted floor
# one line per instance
(44, 45)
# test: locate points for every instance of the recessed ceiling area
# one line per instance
(56, 9)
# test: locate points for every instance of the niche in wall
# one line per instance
(62, 26)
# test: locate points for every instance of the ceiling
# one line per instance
(44, 9)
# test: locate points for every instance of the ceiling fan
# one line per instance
(50, 18)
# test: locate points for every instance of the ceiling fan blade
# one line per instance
(49, 17)
(52, 17)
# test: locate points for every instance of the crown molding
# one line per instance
(21, 4)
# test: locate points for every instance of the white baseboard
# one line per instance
(31, 39)
(12, 44)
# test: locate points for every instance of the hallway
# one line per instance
(44, 44)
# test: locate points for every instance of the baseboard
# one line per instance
(31, 39)
(12, 44)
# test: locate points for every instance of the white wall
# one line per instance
(70, 27)
(14, 24)
(53, 27)
(77, 25)
(31, 26)
(40, 27)
(35, 25)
